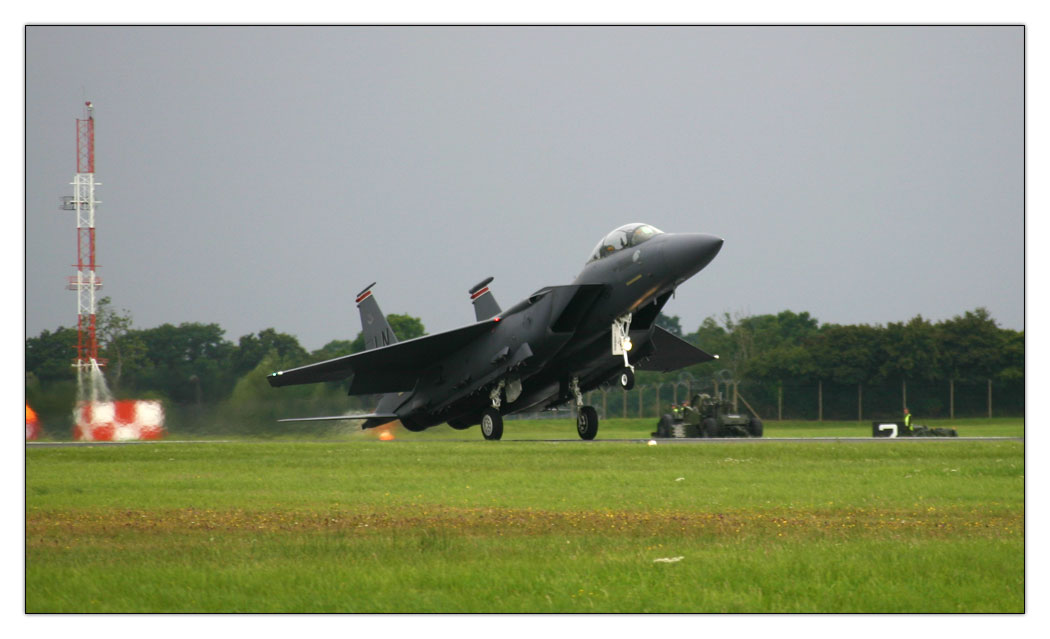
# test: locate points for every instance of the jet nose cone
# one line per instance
(687, 253)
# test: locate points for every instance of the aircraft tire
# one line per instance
(491, 424)
(587, 422)
(626, 379)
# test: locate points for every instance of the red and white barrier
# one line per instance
(123, 420)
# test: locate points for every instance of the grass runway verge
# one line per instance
(453, 526)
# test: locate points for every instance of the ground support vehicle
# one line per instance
(707, 416)
(900, 429)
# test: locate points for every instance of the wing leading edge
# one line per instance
(388, 369)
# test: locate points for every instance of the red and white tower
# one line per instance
(85, 282)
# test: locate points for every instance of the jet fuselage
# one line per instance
(527, 346)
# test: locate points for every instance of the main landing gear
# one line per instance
(586, 416)
(491, 424)
(491, 420)
(587, 422)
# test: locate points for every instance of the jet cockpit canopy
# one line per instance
(625, 236)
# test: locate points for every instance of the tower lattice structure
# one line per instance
(86, 282)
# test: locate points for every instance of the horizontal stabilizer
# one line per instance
(387, 369)
(671, 353)
(340, 417)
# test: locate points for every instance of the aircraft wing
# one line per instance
(389, 369)
(671, 353)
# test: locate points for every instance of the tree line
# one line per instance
(195, 364)
(795, 346)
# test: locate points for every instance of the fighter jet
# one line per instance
(545, 351)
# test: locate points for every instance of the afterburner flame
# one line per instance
(385, 432)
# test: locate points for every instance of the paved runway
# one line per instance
(660, 442)
(808, 440)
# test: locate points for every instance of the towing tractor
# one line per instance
(706, 416)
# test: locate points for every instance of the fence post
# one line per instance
(989, 398)
(641, 400)
(780, 401)
(951, 398)
(625, 404)
(658, 400)
(860, 402)
(904, 395)
(605, 413)
(820, 400)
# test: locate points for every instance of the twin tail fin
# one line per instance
(374, 327)
(485, 305)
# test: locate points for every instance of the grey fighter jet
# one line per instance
(544, 351)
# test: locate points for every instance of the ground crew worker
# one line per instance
(907, 419)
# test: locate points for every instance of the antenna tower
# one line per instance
(85, 282)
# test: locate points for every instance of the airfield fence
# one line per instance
(818, 401)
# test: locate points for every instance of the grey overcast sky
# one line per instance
(260, 177)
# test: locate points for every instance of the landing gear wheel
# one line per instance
(587, 422)
(491, 424)
(627, 379)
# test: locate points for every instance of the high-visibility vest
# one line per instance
(907, 420)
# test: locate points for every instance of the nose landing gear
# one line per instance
(621, 345)
(627, 379)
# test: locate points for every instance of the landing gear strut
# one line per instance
(586, 416)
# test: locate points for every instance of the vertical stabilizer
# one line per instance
(376, 329)
(485, 305)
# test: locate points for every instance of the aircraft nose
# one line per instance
(687, 253)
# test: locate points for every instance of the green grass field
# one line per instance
(426, 523)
